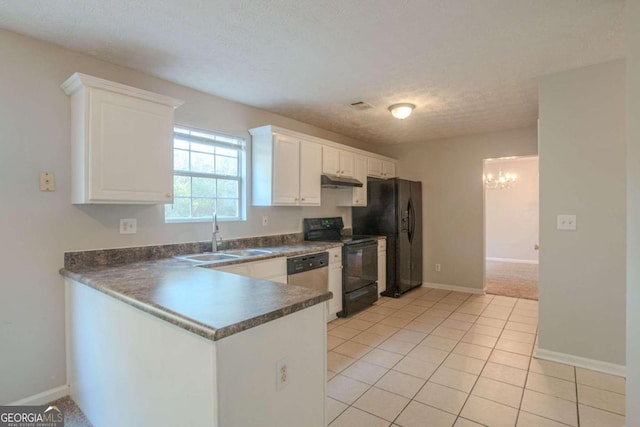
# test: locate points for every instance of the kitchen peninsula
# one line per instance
(165, 342)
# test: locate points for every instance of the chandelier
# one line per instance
(501, 182)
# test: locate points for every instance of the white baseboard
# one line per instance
(513, 260)
(44, 397)
(453, 288)
(581, 362)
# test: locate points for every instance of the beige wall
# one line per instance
(633, 214)
(511, 215)
(451, 175)
(582, 172)
(37, 228)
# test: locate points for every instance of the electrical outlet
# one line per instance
(265, 220)
(437, 267)
(566, 222)
(128, 226)
(282, 374)
(47, 181)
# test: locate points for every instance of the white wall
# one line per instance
(451, 175)
(511, 215)
(633, 213)
(37, 228)
(582, 172)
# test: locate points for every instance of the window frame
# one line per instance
(241, 177)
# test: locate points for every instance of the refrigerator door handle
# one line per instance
(413, 219)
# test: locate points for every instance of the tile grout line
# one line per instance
(389, 369)
(486, 361)
(434, 371)
(457, 304)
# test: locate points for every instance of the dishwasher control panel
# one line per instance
(304, 263)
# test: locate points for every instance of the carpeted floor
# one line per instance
(73, 416)
(512, 279)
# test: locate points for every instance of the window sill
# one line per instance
(195, 220)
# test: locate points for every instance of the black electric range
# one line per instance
(359, 261)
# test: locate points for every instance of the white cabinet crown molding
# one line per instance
(271, 129)
(79, 80)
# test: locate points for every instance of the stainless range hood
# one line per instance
(335, 181)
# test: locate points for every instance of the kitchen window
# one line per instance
(208, 172)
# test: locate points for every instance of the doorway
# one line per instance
(511, 206)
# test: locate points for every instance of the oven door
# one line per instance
(360, 261)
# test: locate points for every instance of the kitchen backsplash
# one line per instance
(107, 257)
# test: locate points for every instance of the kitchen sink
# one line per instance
(209, 257)
(224, 256)
(247, 252)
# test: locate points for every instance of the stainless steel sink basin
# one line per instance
(247, 252)
(209, 257)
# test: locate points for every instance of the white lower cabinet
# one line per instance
(156, 367)
(334, 305)
(382, 265)
(274, 270)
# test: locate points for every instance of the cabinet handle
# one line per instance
(168, 195)
(302, 199)
(295, 199)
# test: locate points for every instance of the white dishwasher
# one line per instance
(309, 271)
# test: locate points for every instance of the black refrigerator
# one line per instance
(394, 210)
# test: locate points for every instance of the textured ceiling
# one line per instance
(470, 66)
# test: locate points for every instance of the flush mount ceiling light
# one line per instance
(401, 111)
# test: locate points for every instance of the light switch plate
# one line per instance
(566, 222)
(282, 373)
(47, 181)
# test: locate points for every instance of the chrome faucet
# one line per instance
(215, 240)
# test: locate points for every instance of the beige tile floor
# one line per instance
(438, 358)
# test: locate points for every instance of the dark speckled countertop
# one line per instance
(204, 301)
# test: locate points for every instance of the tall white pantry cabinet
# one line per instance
(116, 132)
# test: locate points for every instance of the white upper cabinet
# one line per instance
(356, 196)
(374, 167)
(388, 169)
(337, 162)
(121, 143)
(310, 171)
(379, 168)
(330, 160)
(286, 170)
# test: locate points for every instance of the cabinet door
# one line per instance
(360, 173)
(335, 286)
(330, 160)
(286, 171)
(131, 149)
(374, 167)
(347, 163)
(388, 169)
(310, 171)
